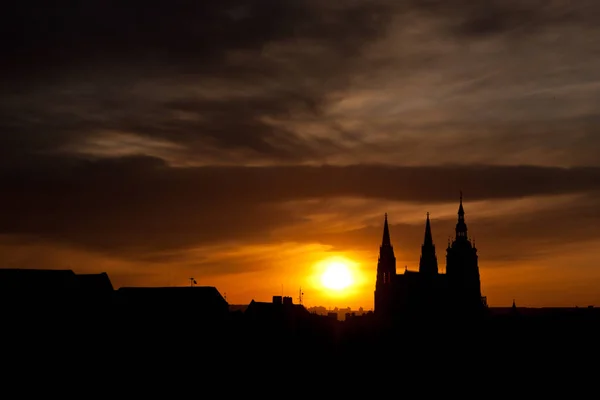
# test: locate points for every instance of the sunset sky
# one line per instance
(244, 143)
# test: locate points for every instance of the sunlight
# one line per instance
(337, 276)
(336, 273)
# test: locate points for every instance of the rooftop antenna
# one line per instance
(192, 282)
(300, 295)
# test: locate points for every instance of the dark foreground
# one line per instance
(145, 351)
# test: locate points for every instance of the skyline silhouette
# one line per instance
(255, 146)
(429, 291)
(299, 198)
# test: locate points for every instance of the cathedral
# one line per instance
(428, 292)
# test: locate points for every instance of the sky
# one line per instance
(248, 143)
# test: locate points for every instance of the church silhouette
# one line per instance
(427, 292)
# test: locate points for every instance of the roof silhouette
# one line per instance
(95, 282)
(173, 294)
(25, 280)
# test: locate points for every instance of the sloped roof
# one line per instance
(95, 282)
(207, 295)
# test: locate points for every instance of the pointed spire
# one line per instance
(428, 262)
(428, 238)
(461, 226)
(386, 264)
(386, 233)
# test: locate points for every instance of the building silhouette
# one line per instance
(281, 313)
(200, 303)
(58, 290)
(427, 292)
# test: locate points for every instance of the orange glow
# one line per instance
(337, 276)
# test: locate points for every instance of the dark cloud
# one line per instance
(517, 18)
(137, 205)
(255, 82)
(200, 34)
(77, 71)
(189, 35)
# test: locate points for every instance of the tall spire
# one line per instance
(461, 226)
(386, 264)
(428, 241)
(386, 233)
(428, 262)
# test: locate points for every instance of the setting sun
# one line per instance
(337, 276)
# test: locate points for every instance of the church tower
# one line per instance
(386, 271)
(462, 268)
(428, 264)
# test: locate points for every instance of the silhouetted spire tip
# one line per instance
(461, 210)
(386, 233)
(428, 240)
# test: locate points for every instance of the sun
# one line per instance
(337, 276)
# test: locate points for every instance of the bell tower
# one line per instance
(462, 268)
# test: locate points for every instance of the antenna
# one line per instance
(192, 282)
(300, 295)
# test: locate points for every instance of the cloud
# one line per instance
(512, 17)
(304, 82)
(180, 31)
(133, 206)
